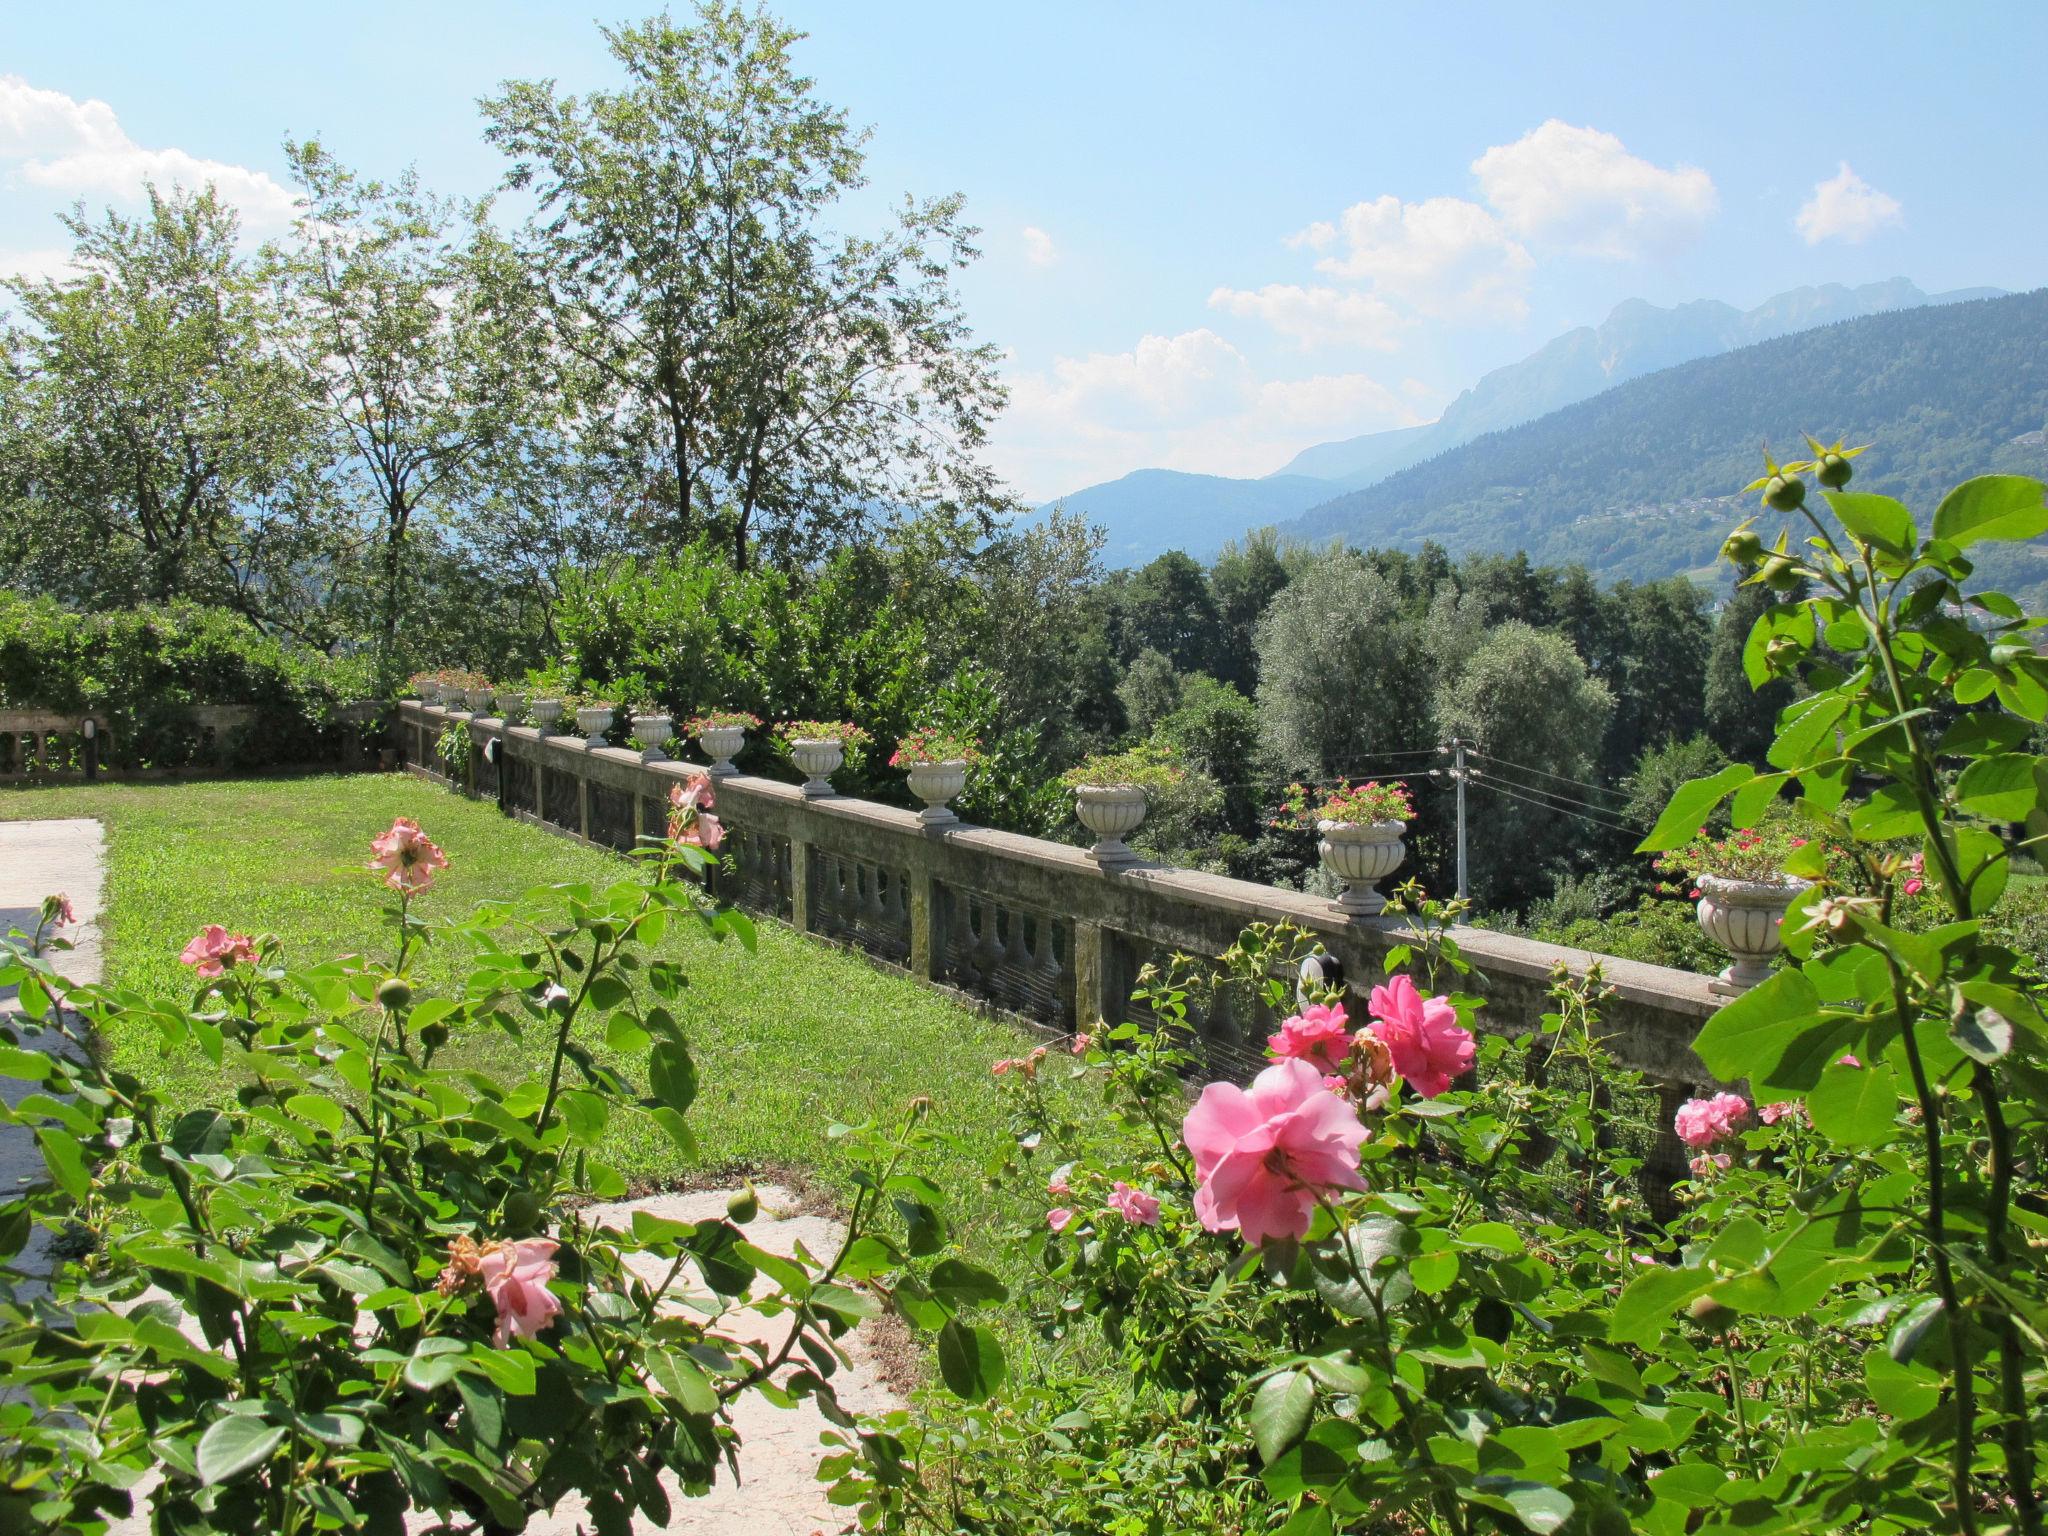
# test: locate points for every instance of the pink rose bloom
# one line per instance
(517, 1276)
(690, 821)
(1001, 1068)
(213, 950)
(1134, 1205)
(1058, 1217)
(1263, 1153)
(1057, 1186)
(1915, 884)
(407, 856)
(1702, 1122)
(1081, 1043)
(1709, 1163)
(1771, 1114)
(61, 913)
(1430, 1048)
(1318, 1035)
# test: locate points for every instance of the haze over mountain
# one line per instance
(1152, 510)
(1643, 481)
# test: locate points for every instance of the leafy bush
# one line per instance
(141, 669)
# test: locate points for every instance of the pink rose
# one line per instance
(690, 821)
(1134, 1205)
(213, 950)
(517, 1276)
(1081, 1043)
(407, 856)
(1058, 1187)
(1771, 1114)
(1001, 1068)
(1318, 1035)
(1708, 1163)
(1430, 1048)
(1263, 1153)
(1702, 1122)
(58, 911)
(1058, 1217)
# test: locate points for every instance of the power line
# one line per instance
(1557, 795)
(1604, 789)
(1611, 826)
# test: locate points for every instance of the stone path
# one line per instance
(778, 1494)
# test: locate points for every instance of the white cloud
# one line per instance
(1443, 256)
(1581, 188)
(37, 266)
(1317, 316)
(1190, 401)
(1038, 247)
(1846, 207)
(79, 149)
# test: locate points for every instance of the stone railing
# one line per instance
(1030, 926)
(39, 744)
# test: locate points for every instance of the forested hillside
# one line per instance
(1635, 482)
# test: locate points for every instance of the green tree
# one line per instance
(154, 428)
(755, 375)
(1150, 690)
(1166, 607)
(1244, 580)
(1741, 719)
(1525, 698)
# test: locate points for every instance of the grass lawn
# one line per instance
(788, 1038)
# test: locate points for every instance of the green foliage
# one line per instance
(141, 668)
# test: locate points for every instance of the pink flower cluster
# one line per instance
(1917, 881)
(1421, 1037)
(1700, 1123)
(407, 856)
(214, 950)
(690, 821)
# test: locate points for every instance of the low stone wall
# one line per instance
(1030, 926)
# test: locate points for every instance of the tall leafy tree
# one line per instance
(416, 350)
(762, 377)
(154, 425)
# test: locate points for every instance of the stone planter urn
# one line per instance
(1361, 855)
(430, 691)
(593, 720)
(935, 784)
(653, 732)
(511, 706)
(722, 743)
(479, 699)
(1112, 812)
(545, 713)
(1742, 916)
(818, 760)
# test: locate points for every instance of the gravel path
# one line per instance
(778, 1493)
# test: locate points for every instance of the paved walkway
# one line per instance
(778, 1494)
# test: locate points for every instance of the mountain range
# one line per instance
(1150, 511)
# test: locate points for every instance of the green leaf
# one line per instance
(1644, 1310)
(682, 1379)
(1756, 1028)
(1281, 1410)
(1540, 1508)
(1876, 520)
(66, 1161)
(970, 1361)
(961, 1283)
(673, 1075)
(235, 1444)
(1999, 788)
(1690, 807)
(1992, 507)
(585, 1114)
(1904, 1391)
(677, 1128)
(311, 1107)
(1855, 1106)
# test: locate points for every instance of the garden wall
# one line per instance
(1029, 926)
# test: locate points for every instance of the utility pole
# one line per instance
(1459, 774)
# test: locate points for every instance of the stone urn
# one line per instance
(722, 743)
(545, 713)
(1360, 855)
(653, 731)
(511, 706)
(1112, 812)
(1743, 917)
(935, 784)
(479, 699)
(593, 720)
(818, 760)
(430, 691)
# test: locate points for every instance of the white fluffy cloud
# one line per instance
(1846, 207)
(1190, 401)
(1314, 316)
(78, 149)
(1443, 256)
(1581, 188)
(1038, 247)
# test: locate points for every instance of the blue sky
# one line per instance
(1214, 234)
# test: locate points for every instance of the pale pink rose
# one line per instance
(1058, 1217)
(1081, 1043)
(1058, 1187)
(213, 950)
(1262, 1154)
(690, 821)
(516, 1275)
(1915, 884)
(61, 914)
(1134, 1205)
(1789, 1109)
(1318, 1035)
(1702, 1122)
(1708, 1163)
(407, 856)
(1430, 1048)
